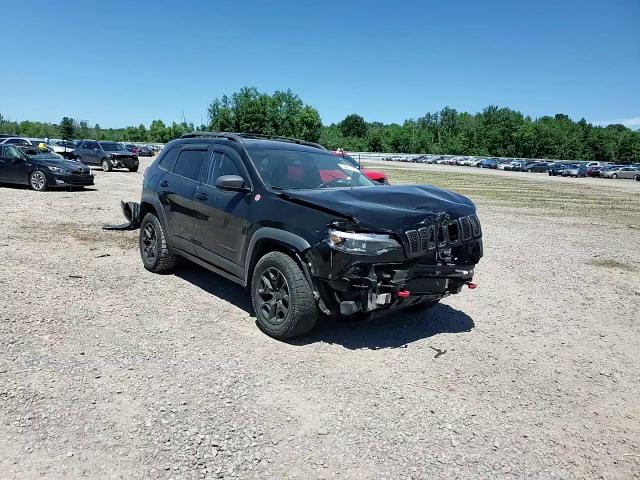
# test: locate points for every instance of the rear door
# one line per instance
(176, 192)
(12, 165)
(223, 219)
(627, 172)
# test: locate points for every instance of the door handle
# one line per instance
(164, 183)
(201, 196)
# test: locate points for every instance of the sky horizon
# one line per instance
(126, 63)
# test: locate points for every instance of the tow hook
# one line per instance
(472, 286)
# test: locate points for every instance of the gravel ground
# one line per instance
(109, 371)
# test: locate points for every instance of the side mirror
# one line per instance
(233, 183)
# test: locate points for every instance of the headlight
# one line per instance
(362, 243)
(57, 169)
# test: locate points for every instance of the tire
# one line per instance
(154, 252)
(529, 170)
(637, 177)
(133, 169)
(614, 176)
(283, 309)
(106, 165)
(38, 181)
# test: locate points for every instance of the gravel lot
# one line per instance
(108, 371)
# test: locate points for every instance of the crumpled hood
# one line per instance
(386, 208)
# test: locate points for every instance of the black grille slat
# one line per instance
(475, 225)
(465, 223)
(414, 241)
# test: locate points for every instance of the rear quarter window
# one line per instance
(168, 159)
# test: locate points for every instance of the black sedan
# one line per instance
(41, 170)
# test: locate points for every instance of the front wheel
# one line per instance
(282, 297)
(154, 252)
(38, 181)
(106, 165)
(614, 176)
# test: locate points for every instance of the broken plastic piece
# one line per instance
(131, 211)
(472, 285)
(403, 293)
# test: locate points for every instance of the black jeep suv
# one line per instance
(305, 231)
(108, 155)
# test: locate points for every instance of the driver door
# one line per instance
(12, 165)
(223, 219)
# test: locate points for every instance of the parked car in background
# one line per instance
(535, 167)
(131, 148)
(374, 175)
(621, 172)
(62, 147)
(557, 168)
(108, 155)
(144, 151)
(594, 170)
(488, 163)
(575, 170)
(41, 170)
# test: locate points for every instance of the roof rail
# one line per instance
(238, 137)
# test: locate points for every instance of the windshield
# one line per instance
(295, 169)
(111, 147)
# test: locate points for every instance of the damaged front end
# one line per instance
(356, 270)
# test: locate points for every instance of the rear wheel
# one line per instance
(38, 181)
(282, 297)
(106, 165)
(154, 252)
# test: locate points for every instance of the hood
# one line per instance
(119, 153)
(385, 208)
(57, 162)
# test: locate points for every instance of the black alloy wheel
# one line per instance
(149, 243)
(273, 296)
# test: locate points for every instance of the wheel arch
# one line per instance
(267, 239)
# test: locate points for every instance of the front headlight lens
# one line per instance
(362, 243)
(57, 169)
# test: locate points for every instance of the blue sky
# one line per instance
(119, 63)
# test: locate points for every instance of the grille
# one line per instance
(450, 233)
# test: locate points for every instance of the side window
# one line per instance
(223, 164)
(168, 159)
(13, 141)
(189, 163)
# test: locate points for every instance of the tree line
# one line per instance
(495, 131)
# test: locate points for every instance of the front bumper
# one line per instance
(125, 162)
(61, 180)
(355, 283)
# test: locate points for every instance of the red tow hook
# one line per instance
(403, 293)
(472, 286)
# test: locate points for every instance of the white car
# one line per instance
(62, 147)
(20, 141)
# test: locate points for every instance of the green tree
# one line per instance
(353, 126)
(67, 128)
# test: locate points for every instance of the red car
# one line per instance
(374, 175)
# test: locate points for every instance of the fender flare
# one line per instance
(298, 244)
